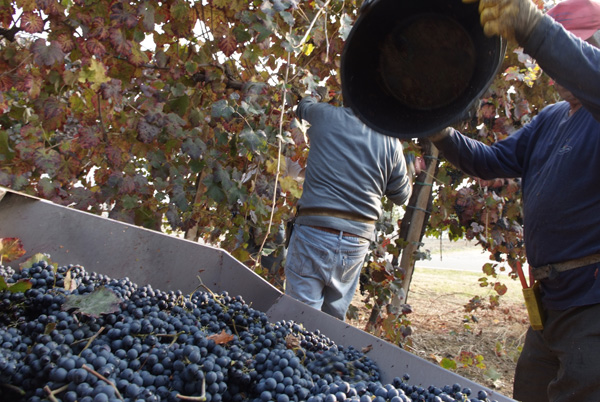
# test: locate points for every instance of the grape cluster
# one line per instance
(167, 346)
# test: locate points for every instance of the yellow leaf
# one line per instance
(95, 73)
(308, 49)
(272, 166)
(290, 185)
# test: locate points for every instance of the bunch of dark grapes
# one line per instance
(167, 346)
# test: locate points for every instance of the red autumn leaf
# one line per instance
(221, 338)
(127, 185)
(52, 108)
(24, 82)
(114, 155)
(3, 109)
(488, 111)
(98, 29)
(50, 7)
(88, 137)
(11, 248)
(47, 54)
(228, 45)
(69, 167)
(221, 31)
(500, 288)
(146, 11)
(95, 47)
(6, 13)
(32, 23)
(137, 57)
(65, 42)
(111, 89)
(120, 43)
(6, 82)
(122, 16)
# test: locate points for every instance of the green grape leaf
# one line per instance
(180, 11)
(5, 149)
(194, 148)
(38, 258)
(147, 132)
(448, 364)
(20, 287)
(222, 109)
(47, 160)
(101, 301)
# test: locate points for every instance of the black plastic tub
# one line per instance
(411, 68)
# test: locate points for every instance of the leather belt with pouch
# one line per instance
(533, 300)
(551, 270)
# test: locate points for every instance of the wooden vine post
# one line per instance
(414, 223)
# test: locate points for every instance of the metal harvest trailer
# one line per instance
(165, 262)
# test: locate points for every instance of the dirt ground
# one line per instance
(443, 329)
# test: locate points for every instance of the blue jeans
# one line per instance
(322, 269)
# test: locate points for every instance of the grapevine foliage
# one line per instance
(177, 116)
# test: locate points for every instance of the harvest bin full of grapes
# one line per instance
(121, 313)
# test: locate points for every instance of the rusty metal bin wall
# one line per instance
(166, 262)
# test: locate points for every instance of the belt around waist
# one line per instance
(551, 270)
(334, 213)
(334, 231)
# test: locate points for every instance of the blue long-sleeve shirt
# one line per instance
(558, 158)
(350, 168)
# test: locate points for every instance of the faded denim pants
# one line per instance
(322, 269)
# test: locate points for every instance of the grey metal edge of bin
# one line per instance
(166, 262)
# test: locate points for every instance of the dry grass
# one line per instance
(442, 328)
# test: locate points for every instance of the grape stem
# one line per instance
(100, 376)
(51, 393)
(191, 398)
(92, 338)
(175, 336)
(14, 388)
(195, 398)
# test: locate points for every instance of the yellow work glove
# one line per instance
(511, 19)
